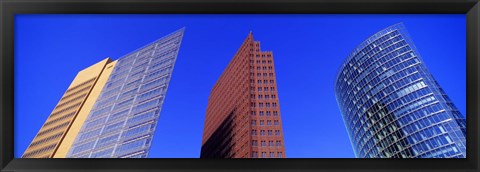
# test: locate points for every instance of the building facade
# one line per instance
(391, 104)
(63, 124)
(243, 112)
(124, 118)
(111, 109)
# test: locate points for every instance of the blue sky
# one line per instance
(308, 51)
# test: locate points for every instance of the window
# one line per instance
(101, 111)
(153, 84)
(279, 143)
(118, 115)
(90, 134)
(276, 122)
(136, 144)
(141, 118)
(263, 143)
(262, 132)
(254, 122)
(137, 131)
(277, 132)
(272, 155)
(269, 122)
(83, 147)
(279, 154)
(123, 104)
(264, 154)
(150, 94)
(261, 122)
(146, 106)
(102, 154)
(261, 113)
(254, 132)
(270, 132)
(107, 140)
(275, 113)
(112, 127)
(95, 123)
(268, 113)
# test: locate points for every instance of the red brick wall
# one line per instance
(237, 108)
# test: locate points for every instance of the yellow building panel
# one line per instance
(62, 126)
(83, 114)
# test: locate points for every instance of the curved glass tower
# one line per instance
(391, 104)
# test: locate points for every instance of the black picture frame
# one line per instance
(9, 8)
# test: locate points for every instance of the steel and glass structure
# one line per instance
(391, 104)
(123, 119)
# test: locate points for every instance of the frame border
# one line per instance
(9, 8)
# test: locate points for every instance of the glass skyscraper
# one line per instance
(123, 119)
(391, 104)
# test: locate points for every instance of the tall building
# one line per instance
(124, 118)
(68, 116)
(391, 104)
(111, 109)
(243, 113)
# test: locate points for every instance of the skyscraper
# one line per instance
(111, 109)
(391, 104)
(243, 112)
(124, 118)
(68, 116)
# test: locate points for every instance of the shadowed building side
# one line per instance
(243, 112)
(220, 144)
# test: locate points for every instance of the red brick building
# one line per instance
(243, 113)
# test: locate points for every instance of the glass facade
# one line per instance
(391, 104)
(123, 119)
